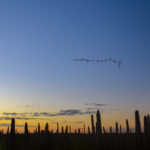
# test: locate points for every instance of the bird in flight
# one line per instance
(118, 62)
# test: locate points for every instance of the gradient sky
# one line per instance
(39, 40)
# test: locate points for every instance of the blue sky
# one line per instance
(39, 40)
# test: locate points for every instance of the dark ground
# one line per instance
(75, 142)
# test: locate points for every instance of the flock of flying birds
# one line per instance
(118, 62)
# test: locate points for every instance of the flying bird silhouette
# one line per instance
(118, 62)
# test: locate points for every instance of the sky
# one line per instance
(40, 82)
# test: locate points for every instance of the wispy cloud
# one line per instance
(92, 108)
(29, 106)
(69, 112)
(34, 115)
(96, 104)
(79, 122)
(11, 114)
(17, 125)
(88, 112)
(15, 114)
(19, 118)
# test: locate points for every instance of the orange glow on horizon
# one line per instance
(76, 121)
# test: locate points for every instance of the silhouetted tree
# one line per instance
(62, 129)
(98, 123)
(110, 129)
(75, 132)
(120, 129)
(137, 122)
(88, 130)
(84, 128)
(116, 127)
(145, 125)
(39, 128)
(70, 129)
(127, 126)
(66, 131)
(104, 130)
(8, 131)
(46, 128)
(12, 132)
(92, 122)
(12, 135)
(36, 130)
(57, 128)
(148, 124)
(79, 131)
(26, 129)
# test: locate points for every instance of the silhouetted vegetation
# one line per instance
(67, 140)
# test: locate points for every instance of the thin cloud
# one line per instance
(15, 114)
(12, 114)
(29, 115)
(69, 112)
(96, 104)
(27, 118)
(79, 122)
(29, 106)
(36, 114)
(19, 118)
(93, 108)
(17, 125)
(89, 112)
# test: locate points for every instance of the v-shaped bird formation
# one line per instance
(118, 62)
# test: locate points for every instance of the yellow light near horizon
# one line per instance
(76, 121)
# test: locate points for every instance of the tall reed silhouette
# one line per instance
(137, 122)
(98, 123)
(92, 122)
